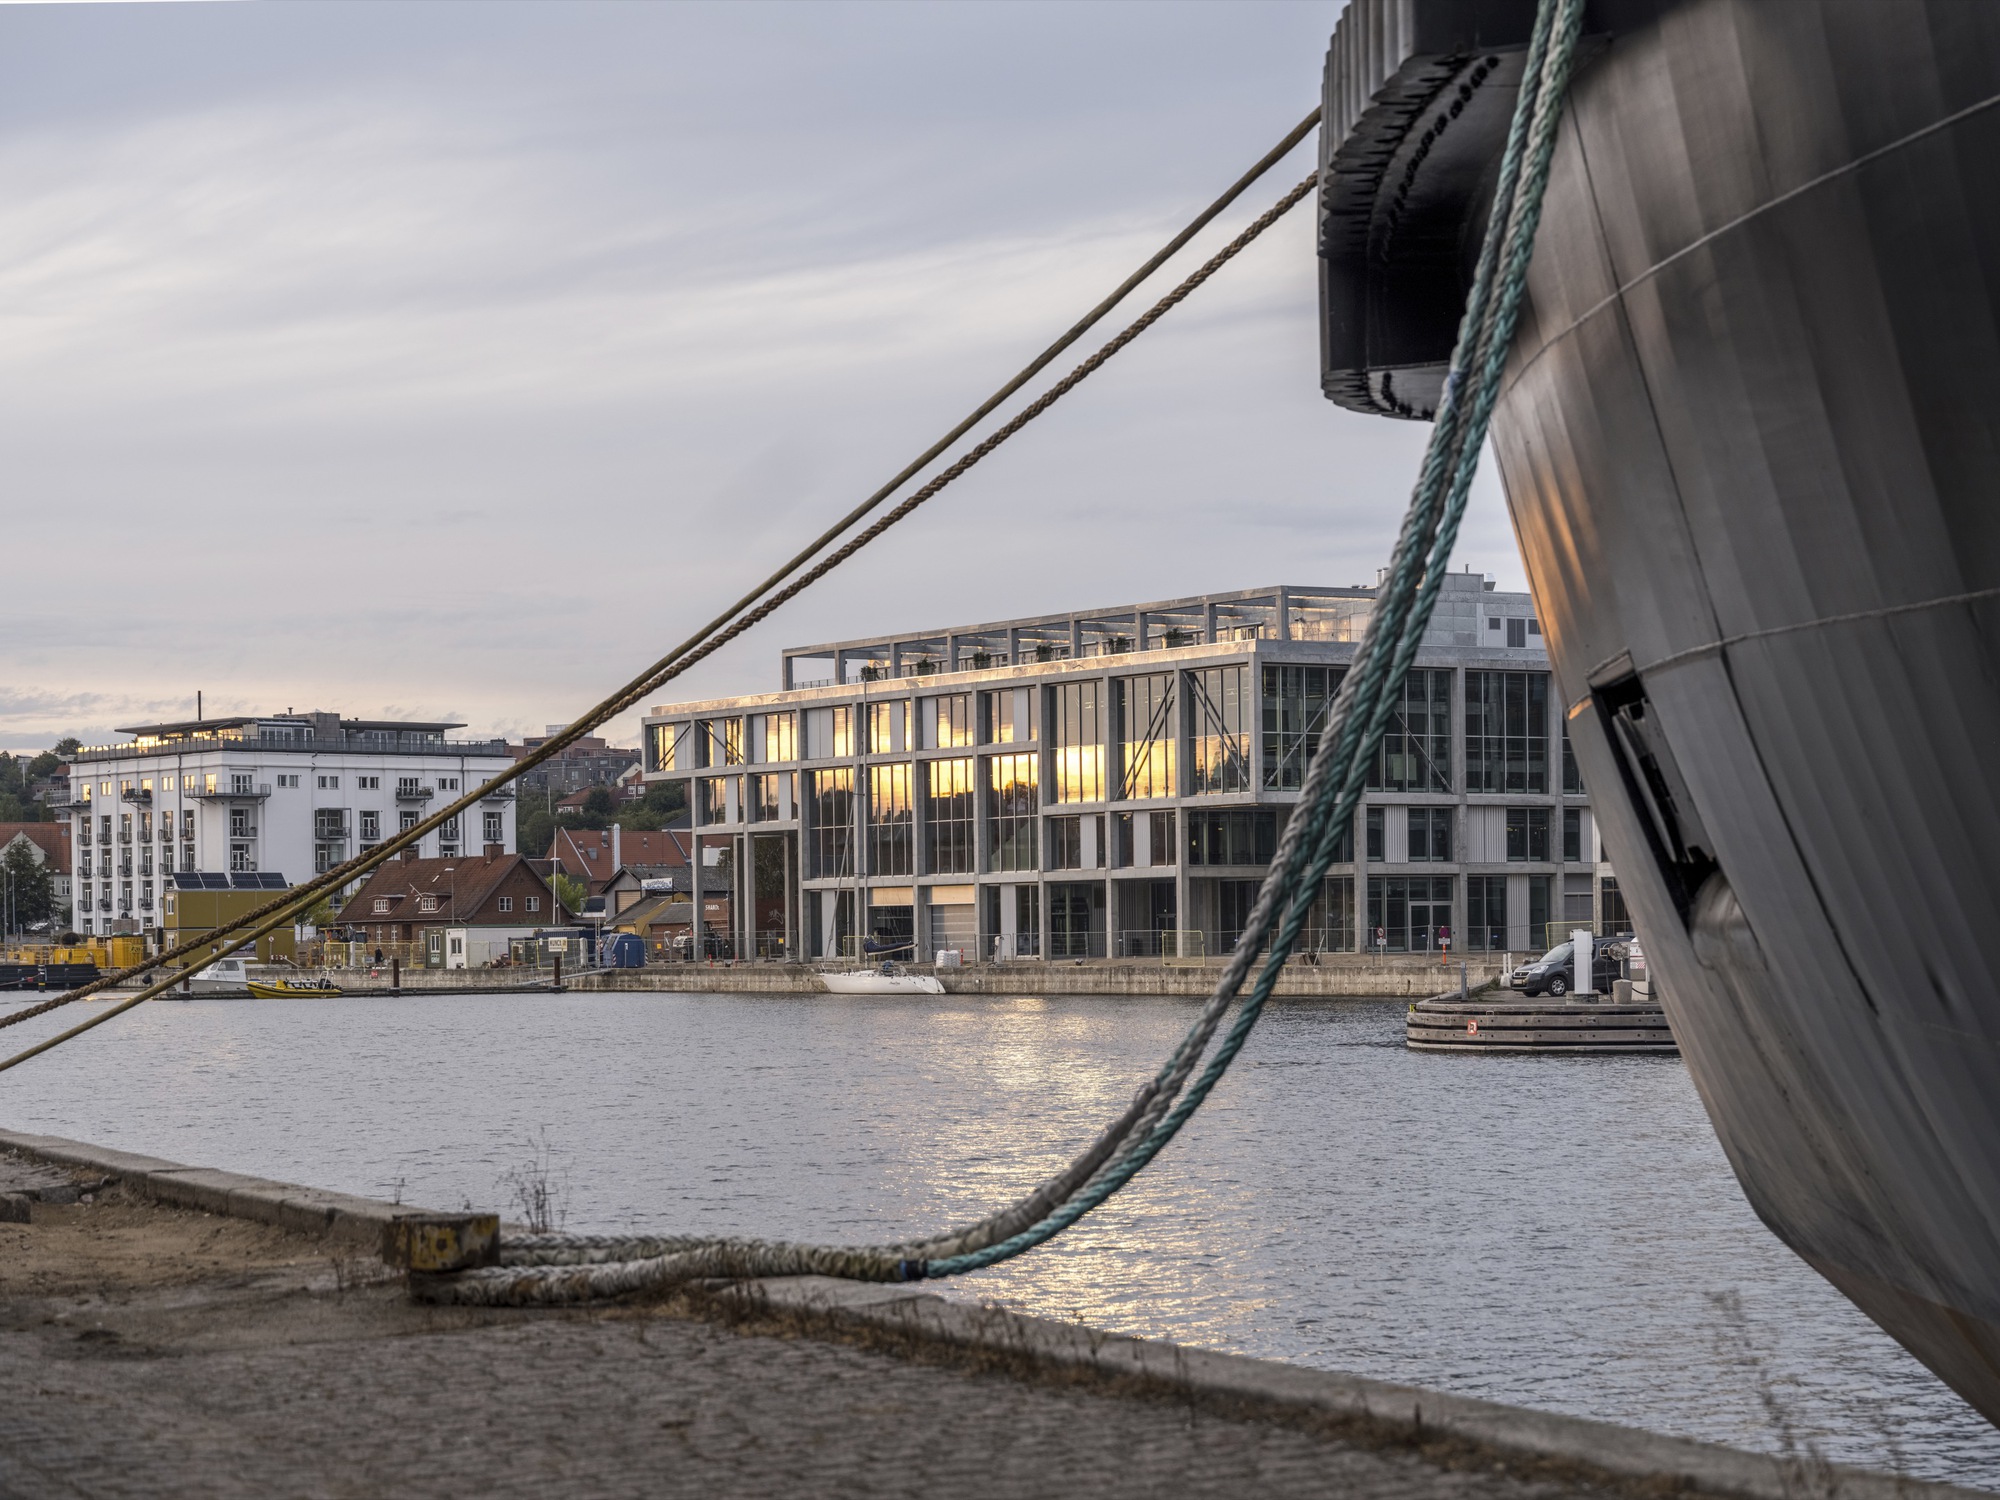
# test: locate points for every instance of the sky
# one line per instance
(454, 362)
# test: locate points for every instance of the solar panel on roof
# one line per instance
(214, 880)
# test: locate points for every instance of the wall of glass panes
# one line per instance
(948, 722)
(830, 804)
(1296, 701)
(1506, 731)
(1076, 741)
(948, 820)
(891, 820)
(1013, 797)
(1143, 710)
(1218, 729)
(1415, 755)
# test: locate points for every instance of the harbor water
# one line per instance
(1558, 1232)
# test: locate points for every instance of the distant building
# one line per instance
(461, 912)
(595, 856)
(1113, 783)
(590, 762)
(281, 793)
(51, 845)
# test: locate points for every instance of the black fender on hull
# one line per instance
(1750, 437)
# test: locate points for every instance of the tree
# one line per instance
(571, 893)
(664, 801)
(597, 803)
(534, 825)
(28, 886)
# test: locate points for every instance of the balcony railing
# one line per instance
(234, 792)
(409, 791)
(137, 796)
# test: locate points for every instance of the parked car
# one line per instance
(1554, 973)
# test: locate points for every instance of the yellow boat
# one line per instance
(281, 989)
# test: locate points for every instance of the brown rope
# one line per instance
(276, 913)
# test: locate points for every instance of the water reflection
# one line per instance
(1552, 1231)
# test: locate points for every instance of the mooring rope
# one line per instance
(726, 627)
(544, 1269)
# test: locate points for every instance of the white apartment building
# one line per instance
(267, 800)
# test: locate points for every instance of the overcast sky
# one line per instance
(453, 361)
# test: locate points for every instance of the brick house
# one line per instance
(484, 901)
(595, 856)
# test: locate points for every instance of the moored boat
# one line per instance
(281, 989)
(887, 980)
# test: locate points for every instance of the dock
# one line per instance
(167, 1329)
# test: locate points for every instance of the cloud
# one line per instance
(360, 357)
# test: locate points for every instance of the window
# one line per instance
(288, 779)
(1415, 755)
(490, 828)
(187, 823)
(1330, 927)
(1430, 834)
(1572, 835)
(1218, 730)
(1012, 801)
(1296, 703)
(1076, 734)
(1007, 716)
(830, 799)
(1572, 777)
(146, 827)
(1506, 731)
(406, 820)
(1161, 836)
(240, 857)
(369, 783)
(1542, 936)
(670, 747)
(711, 802)
(1528, 834)
(948, 828)
(887, 727)
(1144, 711)
(1517, 632)
(448, 783)
(1409, 913)
(1613, 916)
(1376, 841)
(1245, 837)
(427, 903)
(1065, 843)
(830, 732)
(448, 830)
(187, 856)
(719, 742)
(948, 722)
(1486, 913)
(532, 903)
(329, 783)
(371, 825)
(781, 737)
(329, 823)
(1124, 842)
(505, 904)
(240, 826)
(891, 820)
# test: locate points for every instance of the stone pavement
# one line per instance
(157, 1351)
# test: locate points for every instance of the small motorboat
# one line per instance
(887, 980)
(226, 978)
(300, 989)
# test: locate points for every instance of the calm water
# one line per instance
(1557, 1232)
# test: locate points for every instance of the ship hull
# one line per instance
(1750, 438)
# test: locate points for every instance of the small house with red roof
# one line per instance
(463, 912)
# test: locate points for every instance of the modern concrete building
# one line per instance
(1112, 784)
(284, 794)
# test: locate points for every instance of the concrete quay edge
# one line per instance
(1629, 1454)
(362, 1222)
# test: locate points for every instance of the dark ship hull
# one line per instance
(1750, 436)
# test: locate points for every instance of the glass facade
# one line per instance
(1506, 731)
(1144, 710)
(1296, 703)
(1572, 777)
(888, 727)
(1528, 834)
(1245, 837)
(948, 820)
(891, 820)
(1486, 913)
(1065, 848)
(1218, 730)
(781, 737)
(948, 722)
(1330, 928)
(1409, 913)
(1430, 834)
(1076, 741)
(830, 800)
(1415, 755)
(1012, 807)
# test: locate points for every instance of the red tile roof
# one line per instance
(463, 889)
(52, 838)
(590, 855)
